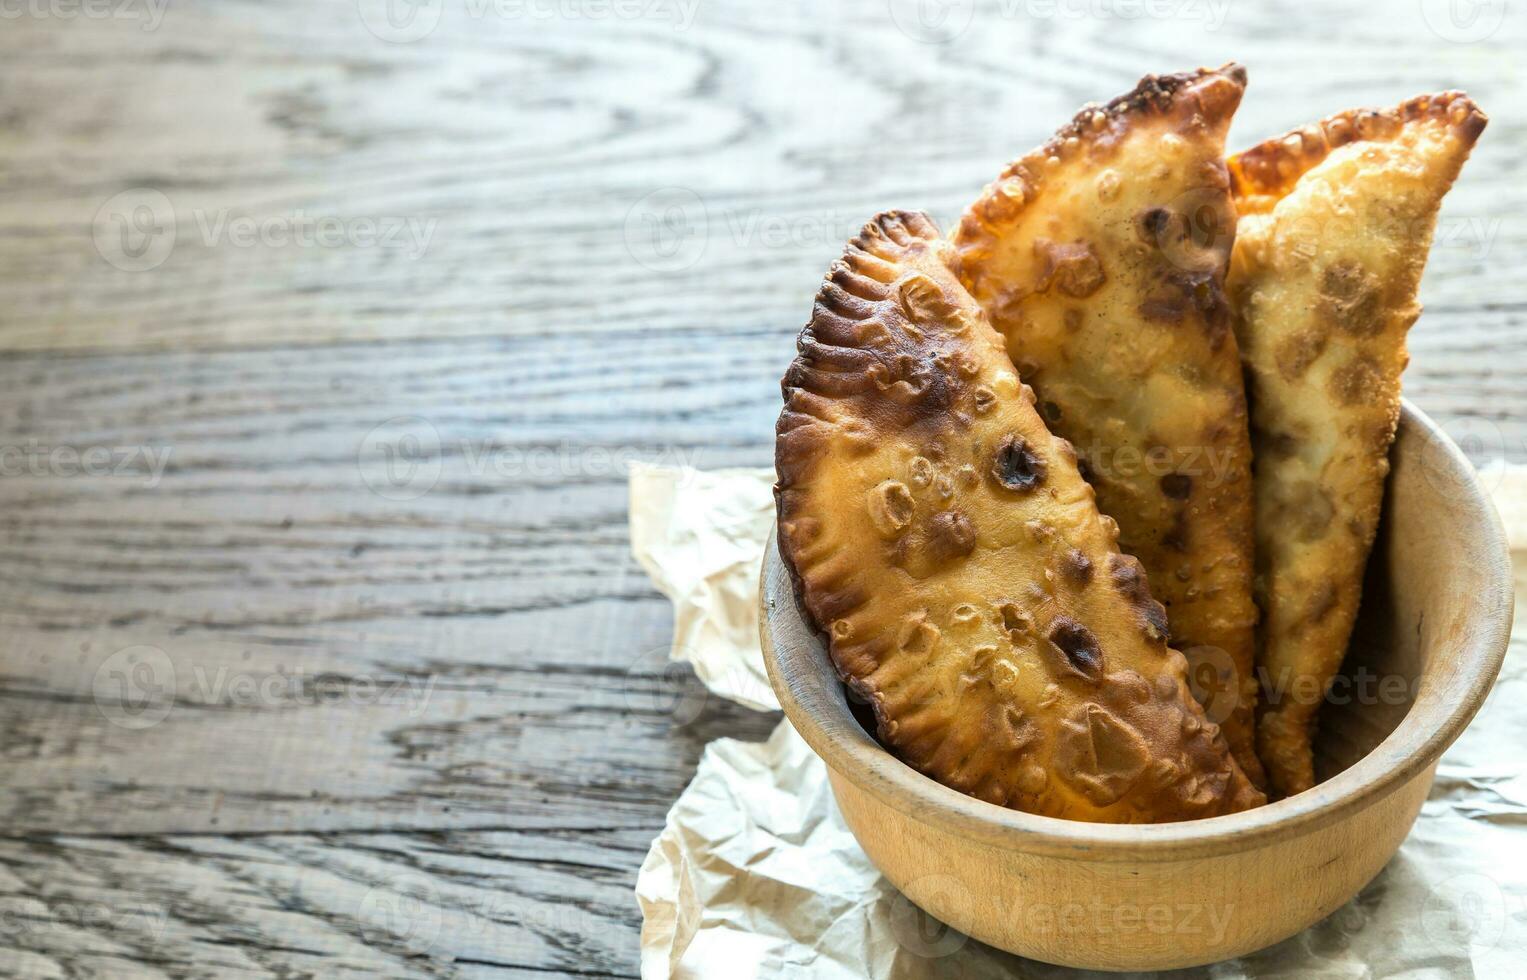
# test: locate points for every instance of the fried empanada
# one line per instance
(1335, 223)
(1101, 259)
(970, 591)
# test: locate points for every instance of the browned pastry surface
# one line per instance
(1101, 258)
(947, 545)
(1336, 221)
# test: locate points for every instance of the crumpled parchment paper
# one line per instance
(755, 874)
(700, 537)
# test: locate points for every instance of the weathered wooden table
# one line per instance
(329, 330)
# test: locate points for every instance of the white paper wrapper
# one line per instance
(700, 536)
(756, 875)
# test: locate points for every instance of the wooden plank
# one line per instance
(436, 905)
(586, 173)
(310, 654)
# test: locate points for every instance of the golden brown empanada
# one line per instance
(1101, 259)
(1335, 224)
(945, 542)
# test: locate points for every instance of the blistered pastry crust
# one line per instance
(945, 543)
(1101, 259)
(1336, 222)
(1266, 172)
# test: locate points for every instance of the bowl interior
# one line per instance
(1429, 641)
(1376, 687)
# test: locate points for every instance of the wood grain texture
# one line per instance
(626, 217)
(533, 146)
(486, 653)
(349, 905)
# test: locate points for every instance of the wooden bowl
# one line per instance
(1436, 614)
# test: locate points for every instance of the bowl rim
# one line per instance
(812, 698)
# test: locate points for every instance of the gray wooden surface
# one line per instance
(324, 350)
